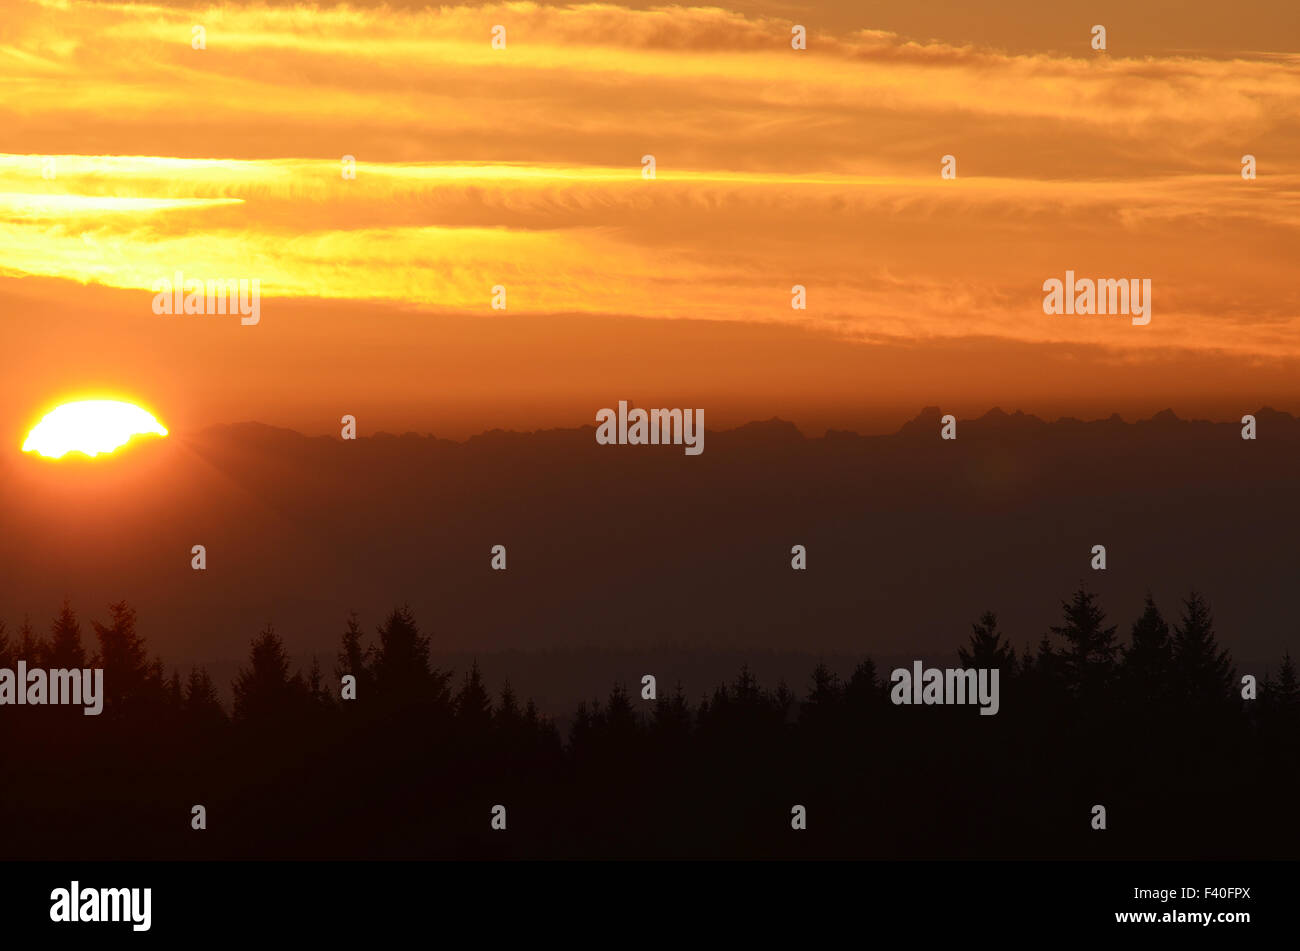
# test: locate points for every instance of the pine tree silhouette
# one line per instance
(174, 692)
(1149, 659)
(65, 650)
(131, 680)
(356, 660)
(508, 721)
(822, 707)
(31, 646)
(201, 706)
(583, 729)
(863, 693)
(1026, 669)
(508, 712)
(1286, 696)
(1088, 662)
(622, 722)
(987, 648)
(1048, 668)
(1278, 699)
(402, 673)
(473, 704)
(782, 702)
(671, 722)
(1203, 671)
(264, 691)
(322, 701)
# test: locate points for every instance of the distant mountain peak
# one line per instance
(1268, 412)
(925, 422)
(774, 429)
(999, 418)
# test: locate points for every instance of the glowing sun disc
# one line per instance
(90, 427)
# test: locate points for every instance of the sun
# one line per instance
(90, 427)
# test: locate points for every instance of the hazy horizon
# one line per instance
(891, 428)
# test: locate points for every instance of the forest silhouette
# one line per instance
(1152, 725)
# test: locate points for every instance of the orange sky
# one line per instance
(522, 167)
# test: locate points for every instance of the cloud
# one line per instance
(776, 167)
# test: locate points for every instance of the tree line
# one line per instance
(1158, 727)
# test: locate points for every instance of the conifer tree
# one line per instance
(402, 673)
(622, 723)
(131, 680)
(202, 706)
(507, 714)
(1087, 661)
(264, 690)
(671, 721)
(1203, 670)
(1149, 658)
(1287, 693)
(987, 649)
(320, 697)
(473, 704)
(65, 649)
(863, 691)
(825, 695)
(174, 692)
(31, 646)
(356, 660)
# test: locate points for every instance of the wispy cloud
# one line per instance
(522, 167)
